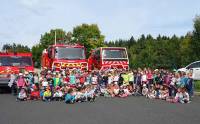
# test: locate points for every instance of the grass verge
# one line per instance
(197, 85)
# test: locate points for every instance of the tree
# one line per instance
(15, 48)
(195, 43)
(37, 53)
(88, 35)
(185, 51)
(48, 39)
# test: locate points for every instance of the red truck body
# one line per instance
(104, 58)
(64, 56)
(14, 63)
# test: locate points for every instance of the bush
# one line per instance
(197, 85)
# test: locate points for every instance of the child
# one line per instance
(164, 93)
(94, 79)
(72, 79)
(47, 95)
(172, 87)
(87, 79)
(144, 77)
(20, 82)
(152, 92)
(79, 95)
(91, 94)
(144, 90)
(131, 80)
(115, 78)
(179, 96)
(125, 77)
(58, 94)
(69, 98)
(104, 91)
(35, 93)
(45, 84)
(122, 93)
(22, 96)
(190, 85)
(116, 90)
(186, 97)
(149, 78)
(56, 81)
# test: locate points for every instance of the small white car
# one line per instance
(194, 67)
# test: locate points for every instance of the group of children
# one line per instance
(76, 85)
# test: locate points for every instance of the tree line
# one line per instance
(146, 51)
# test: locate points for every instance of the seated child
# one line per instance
(127, 91)
(186, 96)
(144, 90)
(110, 90)
(152, 93)
(122, 92)
(47, 95)
(69, 98)
(91, 94)
(58, 95)
(35, 93)
(157, 91)
(178, 97)
(116, 90)
(22, 96)
(164, 93)
(79, 95)
(104, 91)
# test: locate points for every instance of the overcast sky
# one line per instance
(23, 21)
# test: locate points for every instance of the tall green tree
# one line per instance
(195, 43)
(47, 39)
(89, 35)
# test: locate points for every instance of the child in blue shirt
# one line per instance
(69, 98)
(72, 79)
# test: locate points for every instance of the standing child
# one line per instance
(190, 85)
(20, 82)
(94, 79)
(56, 81)
(131, 80)
(72, 78)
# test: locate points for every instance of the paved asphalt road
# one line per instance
(132, 110)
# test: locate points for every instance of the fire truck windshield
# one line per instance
(69, 53)
(114, 54)
(15, 61)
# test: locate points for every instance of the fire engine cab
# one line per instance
(64, 56)
(104, 58)
(14, 63)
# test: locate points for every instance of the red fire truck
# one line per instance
(14, 63)
(64, 56)
(104, 58)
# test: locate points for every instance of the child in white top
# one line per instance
(144, 90)
(45, 83)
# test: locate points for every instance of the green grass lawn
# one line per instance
(197, 85)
